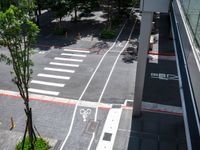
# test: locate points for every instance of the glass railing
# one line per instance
(192, 13)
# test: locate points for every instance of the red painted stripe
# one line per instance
(50, 101)
(104, 108)
(100, 107)
(161, 54)
(15, 96)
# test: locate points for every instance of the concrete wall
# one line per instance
(155, 5)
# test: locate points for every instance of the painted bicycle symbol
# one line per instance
(85, 113)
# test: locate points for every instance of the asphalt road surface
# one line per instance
(80, 95)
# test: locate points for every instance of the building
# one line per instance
(185, 29)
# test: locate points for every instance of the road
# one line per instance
(80, 95)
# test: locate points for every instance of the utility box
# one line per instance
(155, 5)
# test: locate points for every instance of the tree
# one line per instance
(5, 4)
(18, 33)
(60, 7)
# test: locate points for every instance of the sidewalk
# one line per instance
(9, 139)
(151, 131)
(155, 130)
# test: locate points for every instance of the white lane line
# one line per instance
(108, 79)
(110, 128)
(63, 64)
(68, 59)
(76, 51)
(53, 76)
(59, 70)
(76, 107)
(75, 55)
(43, 91)
(47, 83)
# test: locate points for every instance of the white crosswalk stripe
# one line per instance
(76, 51)
(59, 70)
(74, 55)
(68, 59)
(43, 91)
(63, 64)
(53, 76)
(48, 83)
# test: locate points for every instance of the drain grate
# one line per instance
(107, 136)
(91, 126)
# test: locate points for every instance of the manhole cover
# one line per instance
(107, 136)
(91, 126)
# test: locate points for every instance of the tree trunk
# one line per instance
(29, 127)
(75, 13)
(39, 7)
(60, 22)
(109, 20)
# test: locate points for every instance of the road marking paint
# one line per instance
(110, 128)
(47, 83)
(108, 79)
(76, 51)
(43, 91)
(59, 70)
(164, 76)
(153, 59)
(75, 55)
(85, 113)
(161, 57)
(76, 106)
(63, 64)
(68, 59)
(53, 76)
(146, 106)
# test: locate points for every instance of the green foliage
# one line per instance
(40, 144)
(87, 6)
(60, 7)
(107, 33)
(18, 33)
(23, 5)
(135, 3)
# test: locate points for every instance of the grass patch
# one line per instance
(40, 144)
(108, 33)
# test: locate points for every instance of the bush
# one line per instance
(107, 33)
(40, 144)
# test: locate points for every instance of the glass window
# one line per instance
(192, 11)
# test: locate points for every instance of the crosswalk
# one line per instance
(58, 72)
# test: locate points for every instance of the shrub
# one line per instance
(107, 33)
(40, 144)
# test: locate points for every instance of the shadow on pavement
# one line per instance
(156, 131)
